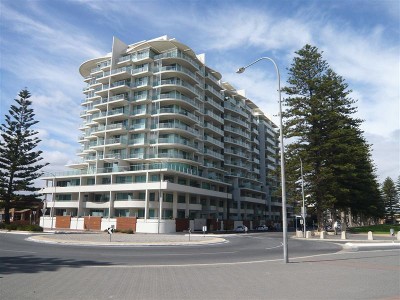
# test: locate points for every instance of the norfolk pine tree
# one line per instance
(391, 199)
(323, 133)
(19, 163)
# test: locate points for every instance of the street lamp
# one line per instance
(53, 199)
(283, 183)
(302, 195)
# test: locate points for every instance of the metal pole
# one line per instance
(283, 181)
(302, 194)
(54, 199)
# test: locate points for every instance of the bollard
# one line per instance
(344, 235)
(308, 234)
(398, 235)
(322, 235)
(370, 236)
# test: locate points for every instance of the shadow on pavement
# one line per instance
(33, 264)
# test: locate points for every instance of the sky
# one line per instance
(43, 43)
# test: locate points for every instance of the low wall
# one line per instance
(63, 222)
(126, 223)
(152, 226)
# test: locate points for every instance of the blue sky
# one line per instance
(43, 43)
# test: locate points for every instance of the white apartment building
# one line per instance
(164, 138)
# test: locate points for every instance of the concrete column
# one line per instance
(187, 201)
(146, 205)
(308, 234)
(398, 235)
(322, 235)
(225, 214)
(175, 205)
(208, 207)
(370, 236)
(344, 235)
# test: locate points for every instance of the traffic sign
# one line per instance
(110, 230)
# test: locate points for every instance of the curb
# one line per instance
(46, 240)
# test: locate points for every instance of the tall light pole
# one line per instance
(302, 195)
(53, 199)
(283, 182)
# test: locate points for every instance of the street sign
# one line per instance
(43, 211)
(110, 230)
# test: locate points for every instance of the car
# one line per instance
(241, 228)
(262, 228)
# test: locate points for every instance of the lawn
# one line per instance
(383, 229)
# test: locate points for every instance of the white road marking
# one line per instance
(230, 263)
(6, 250)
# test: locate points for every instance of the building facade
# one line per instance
(163, 137)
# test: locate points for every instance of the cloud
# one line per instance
(386, 154)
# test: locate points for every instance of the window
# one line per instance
(181, 199)
(152, 196)
(168, 197)
(140, 178)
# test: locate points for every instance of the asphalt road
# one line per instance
(246, 267)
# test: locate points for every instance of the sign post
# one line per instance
(110, 231)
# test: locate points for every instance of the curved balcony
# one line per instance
(211, 140)
(213, 128)
(120, 99)
(175, 96)
(177, 55)
(213, 154)
(141, 85)
(121, 73)
(176, 84)
(238, 109)
(237, 131)
(176, 126)
(141, 71)
(185, 115)
(177, 71)
(176, 141)
(236, 142)
(214, 104)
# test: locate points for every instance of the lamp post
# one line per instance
(53, 199)
(283, 183)
(303, 214)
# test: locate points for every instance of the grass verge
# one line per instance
(380, 229)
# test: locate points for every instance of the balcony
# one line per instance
(175, 95)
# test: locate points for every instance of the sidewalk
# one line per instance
(356, 241)
(354, 237)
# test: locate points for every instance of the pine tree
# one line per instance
(338, 169)
(19, 163)
(391, 199)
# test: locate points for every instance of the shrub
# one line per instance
(21, 227)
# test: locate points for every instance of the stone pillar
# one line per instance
(308, 234)
(322, 235)
(398, 235)
(370, 236)
(344, 235)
